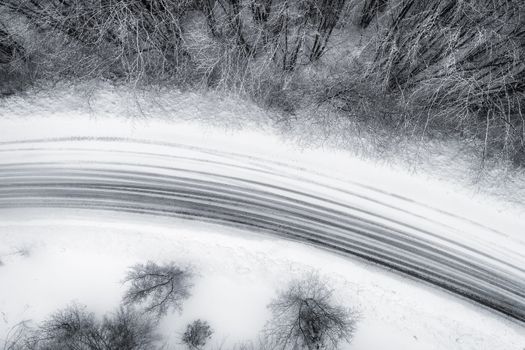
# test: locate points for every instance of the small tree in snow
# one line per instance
(197, 334)
(306, 317)
(159, 287)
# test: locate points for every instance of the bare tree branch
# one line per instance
(158, 287)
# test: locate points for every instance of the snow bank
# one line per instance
(82, 256)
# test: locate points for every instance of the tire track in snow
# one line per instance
(180, 180)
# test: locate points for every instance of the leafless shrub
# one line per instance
(305, 316)
(128, 329)
(197, 334)
(158, 287)
(72, 327)
(75, 328)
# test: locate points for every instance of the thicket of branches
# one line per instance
(12, 67)
(436, 67)
(149, 39)
(74, 328)
(464, 60)
(444, 67)
(306, 316)
(157, 288)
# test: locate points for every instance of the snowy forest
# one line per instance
(438, 68)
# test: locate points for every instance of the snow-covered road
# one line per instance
(392, 222)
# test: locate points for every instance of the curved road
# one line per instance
(234, 189)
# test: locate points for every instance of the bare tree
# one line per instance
(197, 334)
(73, 328)
(306, 317)
(159, 287)
(70, 328)
(128, 329)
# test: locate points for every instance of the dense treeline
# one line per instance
(438, 67)
(141, 36)
(467, 58)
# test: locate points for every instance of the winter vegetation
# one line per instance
(306, 317)
(159, 287)
(197, 334)
(76, 328)
(303, 318)
(436, 69)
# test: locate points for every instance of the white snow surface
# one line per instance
(53, 257)
(82, 257)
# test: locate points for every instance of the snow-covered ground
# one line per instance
(83, 256)
(52, 256)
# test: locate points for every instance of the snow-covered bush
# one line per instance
(197, 334)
